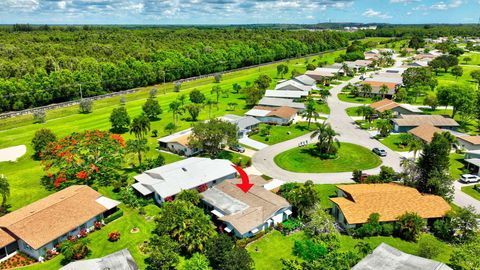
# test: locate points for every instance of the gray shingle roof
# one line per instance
(280, 102)
(120, 260)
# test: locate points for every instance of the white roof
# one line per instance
(144, 190)
(275, 183)
(189, 173)
(285, 94)
(258, 113)
(107, 202)
(473, 161)
(120, 260)
(327, 70)
(293, 85)
(411, 108)
(175, 136)
(386, 79)
(280, 102)
(306, 80)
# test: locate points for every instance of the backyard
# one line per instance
(349, 158)
(280, 134)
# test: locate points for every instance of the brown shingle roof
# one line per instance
(384, 105)
(5, 238)
(425, 132)
(471, 139)
(262, 204)
(49, 218)
(418, 120)
(389, 200)
(283, 112)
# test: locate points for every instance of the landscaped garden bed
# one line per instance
(16, 261)
(348, 158)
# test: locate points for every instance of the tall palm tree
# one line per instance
(366, 90)
(384, 127)
(4, 191)
(415, 145)
(175, 107)
(138, 146)
(383, 90)
(140, 126)
(310, 111)
(355, 91)
(217, 90)
(209, 103)
(326, 137)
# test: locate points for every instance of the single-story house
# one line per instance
(40, 226)
(355, 203)
(120, 260)
(245, 124)
(285, 94)
(305, 80)
(469, 142)
(386, 78)
(293, 85)
(178, 143)
(281, 102)
(192, 173)
(246, 214)
(358, 64)
(372, 54)
(273, 115)
(390, 105)
(386, 257)
(376, 86)
(473, 164)
(420, 63)
(405, 123)
(472, 154)
(425, 132)
(320, 75)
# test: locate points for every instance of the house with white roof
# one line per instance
(192, 173)
(245, 124)
(305, 80)
(281, 102)
(178, 143)
(285, 94)
(293, 85)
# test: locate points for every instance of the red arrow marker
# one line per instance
(245, 186)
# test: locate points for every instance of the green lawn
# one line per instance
(349, 158)
(448, 78)
(471, 192)
(280, 134)
(349, 98)
(268, 251)
(100, 246)
(352, 111)
(393, 142)
(234, 157)
(456, 165)
(326, 191)
(24, 175)
(474, 56)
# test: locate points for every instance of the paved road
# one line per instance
(462, 199)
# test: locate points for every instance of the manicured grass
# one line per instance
(448, 78)
(349, 158)
(352, 111)
(234, 157)
(437, 111)
(325, 191)
(100, 246)
(348, 243)
(349, 98)
(393, 142)
(268, 251)
(474, 56)
(470, 191)
(280, 134)
(456, 165)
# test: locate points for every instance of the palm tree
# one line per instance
(175, 107)
(346, 69)
(383, 90)
(450, 137)
(217, 90)
(326, 137)
(310, 111)
(140, 126)
(138, 146)
(325, 94)
(366, 89)
(415, 145)
(363, 248)
(209, 103)
(4, 192)
(384, 127)
(355, 91)
(388, 114)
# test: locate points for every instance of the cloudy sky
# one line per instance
(236, 11)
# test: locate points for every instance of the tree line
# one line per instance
(50, 65)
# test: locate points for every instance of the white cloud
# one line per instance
(404, 1)
(62, 4)
(376, 14)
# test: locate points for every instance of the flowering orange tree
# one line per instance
(83, 158)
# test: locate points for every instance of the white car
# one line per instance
(469, 178)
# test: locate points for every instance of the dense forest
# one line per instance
(44, 65)
(431, 31)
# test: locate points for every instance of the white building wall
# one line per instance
(467, 145)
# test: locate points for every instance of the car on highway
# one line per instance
(237, 148)
(380, 152)
(469, 178)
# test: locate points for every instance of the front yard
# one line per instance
(349, 158)
(471, 191)
(393, 142)
(280, 134)
(349, 98)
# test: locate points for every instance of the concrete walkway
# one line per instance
(464, 200)
(252, 143)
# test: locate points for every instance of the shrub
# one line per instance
(371, 228)
(409, 226)
(86, 106)
(76, 250)
(154, 133)
(428, 247)
(41, 139)
(114, 236)
(387, 229)
(114, 216)
(309, 250)
(290, 225)
(39, 117)
(356, 175)
(98, 225)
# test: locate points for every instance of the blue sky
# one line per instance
(236, 11)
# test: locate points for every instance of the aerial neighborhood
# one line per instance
(237, 148)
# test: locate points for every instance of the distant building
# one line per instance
(405, 123)
(245, 124)
(386, 257)
(246, 214)
(469, 143)
(355, 203)
(285, 94)
(425, 132)
(178, 143)
(120, 260)
(377, 86)
(397, 109)
(281, 102)
(293, 85)
(273, 115)
(305, 80)
(42, 225)
(192, 173)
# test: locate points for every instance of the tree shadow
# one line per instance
(314, 152)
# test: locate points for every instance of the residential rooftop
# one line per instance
(418, 120)
(475, 140)
(120, 260)
(425, 132)
(280, 102)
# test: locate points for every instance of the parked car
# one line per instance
(380, 152)
(469, 178)
(237, 148)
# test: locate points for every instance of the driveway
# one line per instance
(464, 200)
(252, 143)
